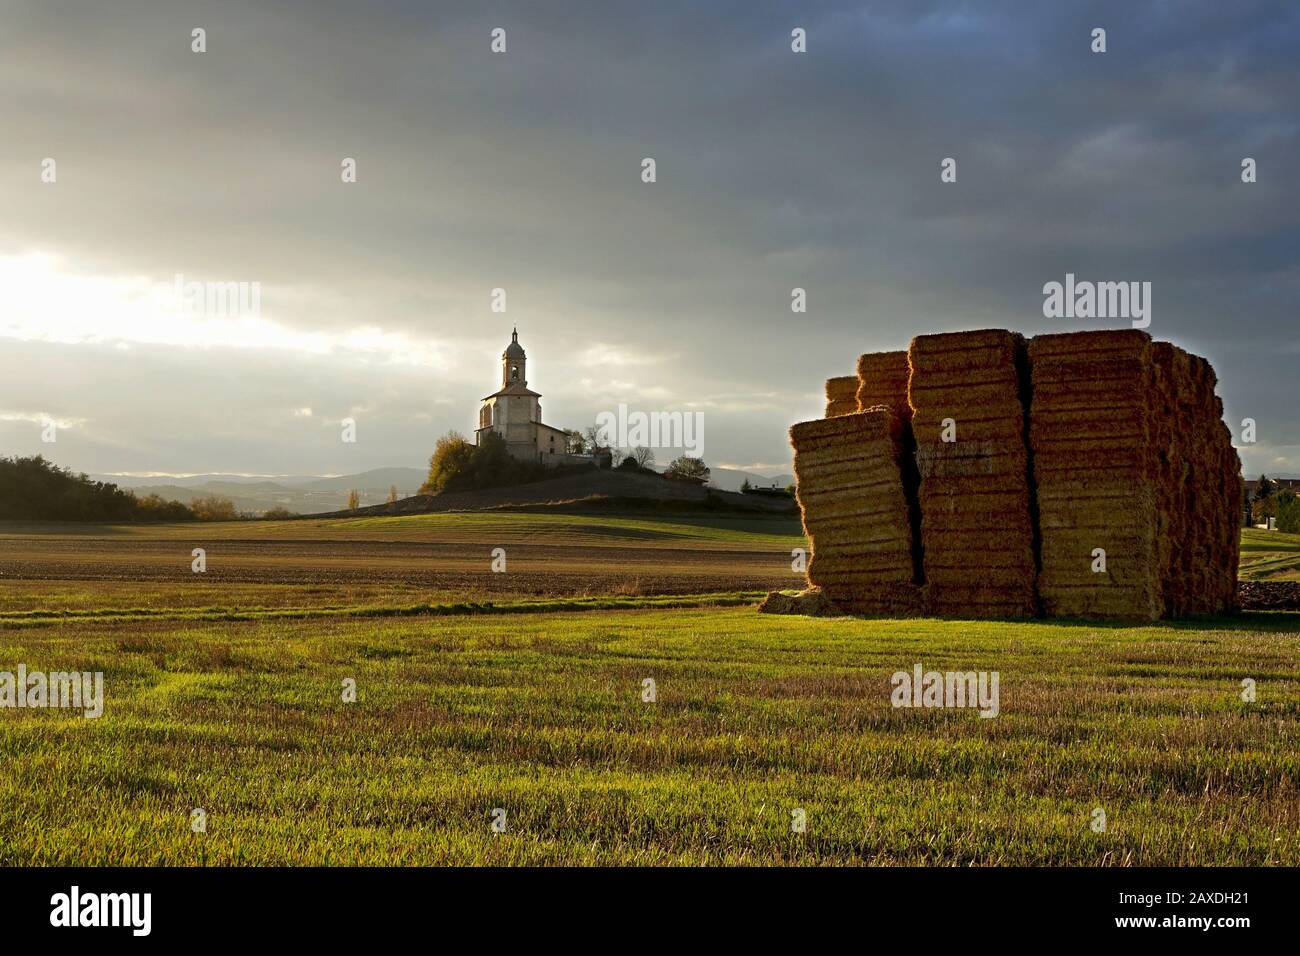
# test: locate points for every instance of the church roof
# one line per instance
(514, 388)
(514, 349)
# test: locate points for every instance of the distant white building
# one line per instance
(514, 411)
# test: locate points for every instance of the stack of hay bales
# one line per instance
(1099, 416)
(977, 527)
(1172, 434)
(1199, 481)
(1215, 477)
(1112, 449)
(882, 380)
(1131, 456)
(841, 396)
(1227, 551)
(849, 484)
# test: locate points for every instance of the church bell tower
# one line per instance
(513, 363)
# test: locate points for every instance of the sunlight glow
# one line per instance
(46, 302)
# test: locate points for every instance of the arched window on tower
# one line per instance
(514, 373)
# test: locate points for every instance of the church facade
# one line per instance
(514, 411)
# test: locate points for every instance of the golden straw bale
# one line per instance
(856, 514)
(882, 380)
(841, 396)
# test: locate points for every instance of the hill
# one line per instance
(324, 494)
(304, 494)
(590, 488)
(730, 479)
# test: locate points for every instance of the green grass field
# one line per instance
(724, 529)
(1269, 556)
(536, 708)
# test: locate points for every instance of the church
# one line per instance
(514, 411)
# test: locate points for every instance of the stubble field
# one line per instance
(521, 692)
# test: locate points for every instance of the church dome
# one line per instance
(514, 349)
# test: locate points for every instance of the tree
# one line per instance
(457, 465)
(451, 457)
(577, 441)
(1263, 488)
(643, 457)
(744, 487)
(354, 500)
(157, 508)
(1288, 512)
(684, 466)
(594, 435)
(278, 513)
(392, 494)
(213, 508)
(34, 489)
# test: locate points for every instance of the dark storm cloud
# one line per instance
(775, 170)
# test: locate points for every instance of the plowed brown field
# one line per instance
(427, 557)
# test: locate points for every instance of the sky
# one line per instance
(522, 170)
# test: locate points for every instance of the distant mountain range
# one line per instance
(254, 494)
(308, 494)
(730, 479)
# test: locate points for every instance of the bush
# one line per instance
(279, 513)
(213, 508)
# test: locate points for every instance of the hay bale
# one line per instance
(977, 529)
(849, 485)
(841, 396)
(882, 380)
(810, 602)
